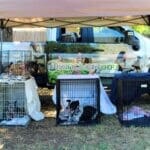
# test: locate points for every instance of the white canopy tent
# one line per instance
(67, 13)
(72, 13)
(55, 13)
(68, 8)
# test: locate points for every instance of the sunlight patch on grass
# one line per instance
(50, 113)
(1, 146)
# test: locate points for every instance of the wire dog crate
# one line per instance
(13, 104)
(15, 56)
(77, 99)
(14, 61)
(133, 101)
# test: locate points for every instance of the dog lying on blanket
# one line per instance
(74, 113)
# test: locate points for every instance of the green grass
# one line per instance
(44, 135)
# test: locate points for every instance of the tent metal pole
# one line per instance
(1, 48)
(1, 36)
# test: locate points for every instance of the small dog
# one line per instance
(12, 110)
(79, 114)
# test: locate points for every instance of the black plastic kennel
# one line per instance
(77, 99)
(133, 99)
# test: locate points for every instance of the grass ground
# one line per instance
(45, 135)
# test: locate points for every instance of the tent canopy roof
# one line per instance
(54, 13)
(70, 8)
(75, 22)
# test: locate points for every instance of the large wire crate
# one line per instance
(15, 57)
(77, 99)
(13, 103)
(133, 101)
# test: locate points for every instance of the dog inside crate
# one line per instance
(74, 113)
(13, 104)
(12, 110)
(78, 101)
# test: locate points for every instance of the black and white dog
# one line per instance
(80, 114)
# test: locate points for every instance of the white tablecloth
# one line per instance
(106, 106)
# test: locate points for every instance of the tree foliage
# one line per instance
(142, 29)
(54, 47)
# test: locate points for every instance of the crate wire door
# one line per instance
(86, 91)
(131, 106)
(13, 103)
(16, 56)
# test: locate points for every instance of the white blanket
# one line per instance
(106, 106)
(33, 102)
